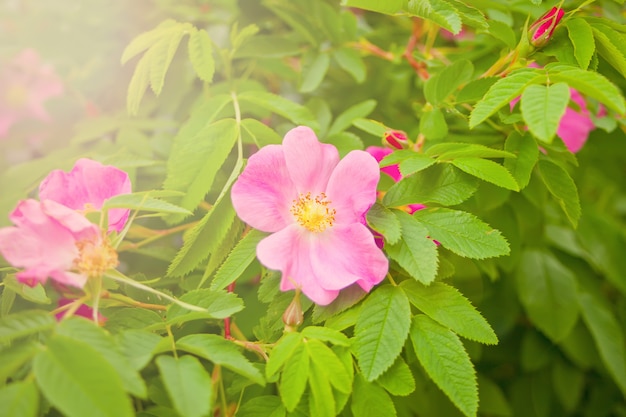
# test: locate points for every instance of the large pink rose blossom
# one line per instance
(50, 240)
(314, 205)
(86, 187)
(25, 84)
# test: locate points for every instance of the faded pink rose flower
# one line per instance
(25, 84)
(50, 240)
(314, 206)
(83, 311)
(541, 30)
(86, 187)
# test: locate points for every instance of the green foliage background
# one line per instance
(519, 311)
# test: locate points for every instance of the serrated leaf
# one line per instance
(450, 150)
(607, 334)
(547, 291)
(161, 55)
(221, 352)
(610, 46)
(503, 32)
(321, 400)
(314, 72)
(19, 398)
(15, 356)
(188, 385)
(36, 294)
(433, 124)
(476, 89)
(441, 184)
(261, 133)
(263, 406)
(369, 399)
(562, 188)
(543, 107)
(380, 6)
(281, 352)
(463, 233)
(241, 37)
(200, 52)
(445, 360)
(204, 238)
(331, 368)
(381, 330)
(470, 16)
(138, 84)
(326, 334)
(350, 61)
(447, 306)
(414, 252)
(398, 379)
(438, 87)
(138, 346)
(412, 164)
(238, 260)
(383, 221)
(501, 94)
(581, 35)
(60, 373)
(527, 153)
(24, 323)
(488, 171)
(143, 201)
(294, 377)
(297, 113)
(146, 39)
(218, 304)
(438, 11)
(345, 119)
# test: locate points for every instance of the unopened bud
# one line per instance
(293, 316)
(395, 138)
(541, 30)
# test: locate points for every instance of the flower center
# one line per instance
(313, 213)
(95, 258)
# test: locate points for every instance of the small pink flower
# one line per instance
(541, 30)
(396, 139)
(25, 84)
(314, 205)
(48, 241)
(86, 187)
(83, 310)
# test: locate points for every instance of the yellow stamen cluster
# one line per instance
(95, 258)
(313, 214)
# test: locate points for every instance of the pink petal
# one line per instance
(379, 153)
(69, 278)
(346, 255)
(264, 192)
(352, 187)
(289, 251)
(310, 163)
(574, 129)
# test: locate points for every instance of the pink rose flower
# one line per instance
(25, 84)
(86, 187)
(50, 240)
(83, 311)
(314, 205)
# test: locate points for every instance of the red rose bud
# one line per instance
(396, 138)
(541, 30)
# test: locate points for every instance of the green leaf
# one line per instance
(452, 150)
(433, 124)
(36, 294)
(476, 89)
(313, 72)
(438, 11)
(563, 188)
(380, 6)
(445, 360)
(414, 252)
(268, 46)
(345, 119)
(383, 221)
(24, 323)
(60, 372)
(281, 353)
(138, 85)
(369, 399)
(503, 32)
(589, 83)
(188, 385)
(263, 406)
(542, 108)
(238, 260)
(470, 16)
(195, 160)
(447, 306)
(218, 304)
(607, 334)
(610, 46)
(201, 54)
(440, 184)
(204, 238)
(350, 61)
(581, 35)
(501, 94)
(488, 171)
(547, 291)
(463, 233)
(525, 148)
(83, 330)
(297, 113)
(221, 352)
(149, 38)
(321, 400)
(138, 346)
(260, 132)
(438, 87)
(398, 379)
(161, 55)
(380, 330)
(19, 399)
(294, 377)
(143, 201)
(415, 163)
(15, 356)
(329, 365)
(326, 334)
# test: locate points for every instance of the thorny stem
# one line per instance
(419, 67)
(127, 300)
(227, 323)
